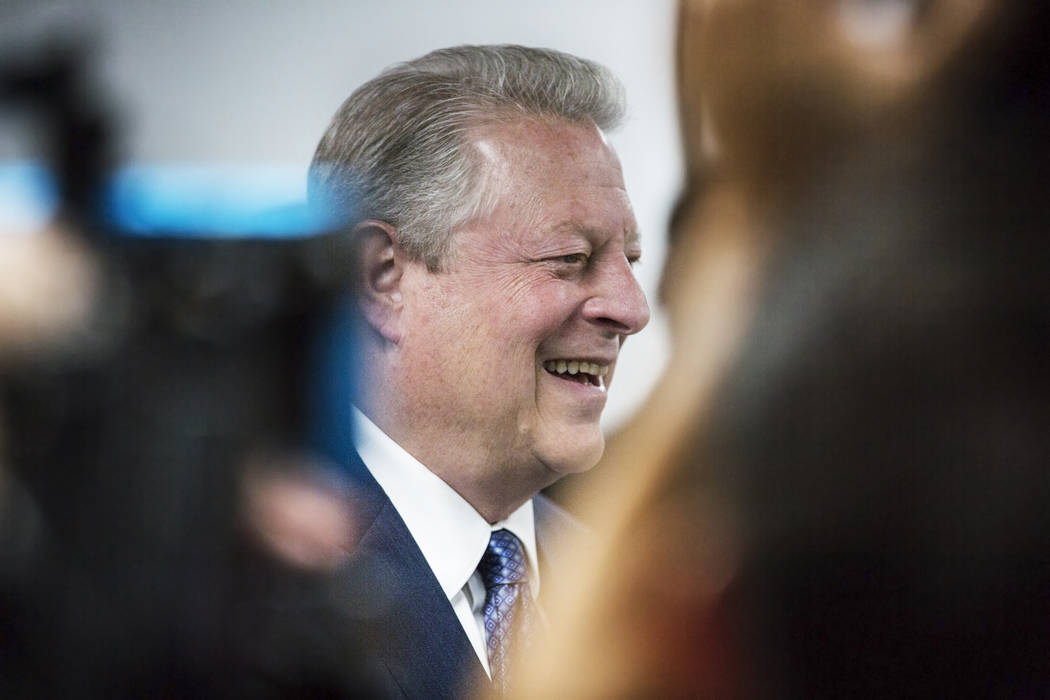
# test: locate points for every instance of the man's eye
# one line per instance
(572, 258)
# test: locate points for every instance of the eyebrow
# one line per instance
(631, 236)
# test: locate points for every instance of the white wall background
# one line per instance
(242, 81)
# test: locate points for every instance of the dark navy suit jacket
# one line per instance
(415, 643)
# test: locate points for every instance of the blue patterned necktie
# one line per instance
(504, 570)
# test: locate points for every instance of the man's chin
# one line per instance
(570, 455)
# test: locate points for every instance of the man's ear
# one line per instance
(381, 266)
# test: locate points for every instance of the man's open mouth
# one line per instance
(578, 371)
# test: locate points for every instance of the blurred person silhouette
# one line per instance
(847, 491)
(496, 247)
(158, 497)
(150, 529)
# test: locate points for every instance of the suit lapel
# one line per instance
(410, 625)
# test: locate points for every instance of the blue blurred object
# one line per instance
(334, 385)
(28, 196)
(182, 201)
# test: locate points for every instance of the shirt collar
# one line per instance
(450, 533)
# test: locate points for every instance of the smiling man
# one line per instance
(496, 289)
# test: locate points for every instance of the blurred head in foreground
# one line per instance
(859, 502)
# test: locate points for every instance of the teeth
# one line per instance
(576, 367)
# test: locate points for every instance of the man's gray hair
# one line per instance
(399, 150)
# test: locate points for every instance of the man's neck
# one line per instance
(495, 492)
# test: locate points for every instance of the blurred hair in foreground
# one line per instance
(842, 486)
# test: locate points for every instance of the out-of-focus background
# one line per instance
(254, 84)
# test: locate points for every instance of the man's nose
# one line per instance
(617, 301)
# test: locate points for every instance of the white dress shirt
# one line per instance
(450, 533)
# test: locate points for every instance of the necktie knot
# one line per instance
(504, 561)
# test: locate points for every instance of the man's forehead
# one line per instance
(532, 145)
(554, 177)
